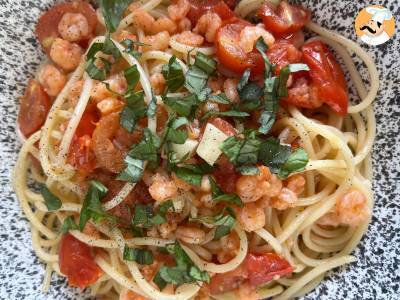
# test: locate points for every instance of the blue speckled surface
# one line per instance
(376, 274)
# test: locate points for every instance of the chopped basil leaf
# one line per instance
(223, 223)
(160, 217)
(128, 119)
(91, 207)
(51, 201)
(183, 106)
(267, 120)
(250, 96)
(132, 77)
(141, 256)
(96, 47)
(205, 63)
(227, 113)
(218, 195)
(95, 72)
(129, 44)
(134, 110)
(142, 216)
(296, 162)
(112, 11)
(110, 48)
(152, 107)
(243, 80)
(241, 151)
(220, 98)
(159, 281)
(133, 171)
(284, 75)
(248, 170)
(173, 74)
(262, 48)
(147, 148)
(298, 67)
(192, 174)
(69, 224)
(172, 133)
(273, 154)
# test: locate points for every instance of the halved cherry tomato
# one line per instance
(87, 123)
(35, 105)
(286, 18)
(200, 7)
(283, 53)
(326, 76)
(229, 52)
(258, 269)
(47, 26)
(77, 263)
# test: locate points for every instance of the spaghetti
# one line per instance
(246, 229)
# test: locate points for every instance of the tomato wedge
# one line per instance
(283, 53)
(229, 52)
(47, 26)
(326, 76)
(35, 105)
(286, 18)
(200, 7)
(257, 269)
(77, 263)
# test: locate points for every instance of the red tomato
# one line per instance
(231, 3)
(326, 76)
(223, 125)
(226, 175)
(264, 267)
(286, 18)
(283, 53)
(200, 7)
(256, 268)
(35, 105)
(77, 263)
(229, 52)
(47, 27)
(87, 123)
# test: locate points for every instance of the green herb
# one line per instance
(267, 120)
(130, 47)
(183, 106)
(91, 207)
(51, 201)
(243, 80)
(192, 174)
(69, 224)
(173, 74)
(248, 170)
(96, 47)
(160, 217)
(147, 148)
(223, 222)
(220, 98)
(219, 196)
(152, 107)
(262, 48)
(110, 48)
(273, 154)
(95, 72)
(141, 256)
(284, 75)
(112, 11)
(132, 77)
(134, 110)
(296, 162)
(250, 93)
(172, 133)
(142, 216)
(133, 170)
(205, 63)
(227, 113)
(242, 151)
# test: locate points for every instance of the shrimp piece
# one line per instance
(162, 188)
(208, 24)
(163, 24)
(157, 81)
(189, 38)
(74, 93)
(229, 247)
(74, 27)
(251, 217)
(129, 295)
(230, 89)
(65, 54)
(110, 105)
(250, 34)
(286, 199)
(296, 183)
(352, 208)
(108, 156)
(143, 20)
(117, 83)
(247, 291)
(190, 235)
(159, 41)
(52, 79)
(166, 230)
(329, 219)
(126, 35)
(179, 10)
(207, 200)
(184, 25)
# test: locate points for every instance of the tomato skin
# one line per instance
(200, 7)
(326, 76)
(283, 53)
(223, 125)
(229, 52)
(77, 263)
(47, 26)
(226, 175)
(286, 18)
(264, 267)
(35, 105)
(87, 123)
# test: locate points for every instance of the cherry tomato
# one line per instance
(223, 125)
(326, 76)
(264, 267)
(226, 175)
(200, 7)
(47, 27)
(87, 123)
(77, 263)
(286, 18)
(226, 282)
(283, 53)
(35, 105)
(229, 52)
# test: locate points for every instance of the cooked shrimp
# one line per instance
(109, 105)
(75, 92)
(190, 235)
(230, 89)
(162, 188)
(296, 183)
(247, 292)
(52, 79)
(126, 35)
(250, 34)
(184, 25)
(159, 41)
(163, 24)
(251, 217)
(208, 24)
(229, 247)
(179, 10)
(74, 27)
(117, 84)
(143, 20)
(65, 54)
(286, 199)
(157, 81)
(108, 156)
(189, 38)
(352, 208)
